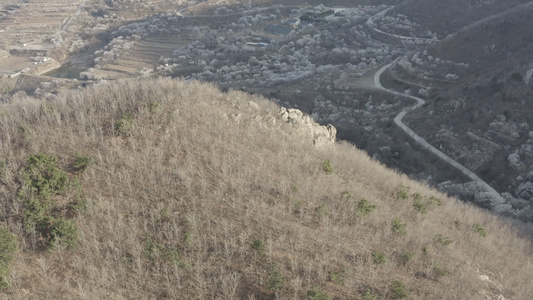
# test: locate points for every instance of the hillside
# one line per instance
(467, 59)
(447, 17)
(477, 85)
(166, 189)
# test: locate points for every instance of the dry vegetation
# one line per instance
(197, 194)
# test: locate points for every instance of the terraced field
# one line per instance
(145, 54)
(32, 22)
(33, 28)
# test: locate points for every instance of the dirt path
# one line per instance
(495, 196)
(524, 6)
(370, 23)
(73, 17)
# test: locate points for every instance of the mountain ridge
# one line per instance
(196, 193)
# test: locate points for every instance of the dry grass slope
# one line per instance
(198, 194)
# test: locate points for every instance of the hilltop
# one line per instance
(169, 189)
(468, 60)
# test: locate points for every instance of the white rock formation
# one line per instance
(494, 289)
(305, 125)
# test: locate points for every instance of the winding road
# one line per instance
(495, 196)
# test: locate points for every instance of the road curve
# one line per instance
(497, 198)
(370, 23)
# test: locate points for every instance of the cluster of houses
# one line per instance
(36, 60)
(40, 59)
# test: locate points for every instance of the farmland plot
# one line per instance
(145, 54)
(34, 21)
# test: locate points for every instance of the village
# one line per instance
(316, 58)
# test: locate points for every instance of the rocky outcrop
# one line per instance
(300, 125)
(305, 125)
(492, 289)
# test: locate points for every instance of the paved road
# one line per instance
(497, 199)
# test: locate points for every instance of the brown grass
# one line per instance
(202, 187)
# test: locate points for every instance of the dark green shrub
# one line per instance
(399, 227)
(406, 257)
(402, 193)
(63, 233)
(188, 239)
(326, 167)
(457, 224)
(479, 229)
(346, 195)
(337, 276)
(442, 240)
(33, 212)
(8, 248)
(44, 175)
(259, 246)
(399, 290)
(81, 206)
(419, 206)
(423, 205)
(379, 257)
(154, 106)
(27, 132)
(294, 188)
(364, 208)
(317, 294)
(439, 271)
(296, 204)
(435, 201)
(368, 295)
(172, 255)
(3, 168)
(323, 210)
(275, 279)
(157, 251)
(81, 162)
(125, 125)
(152, 247)
(43, 179)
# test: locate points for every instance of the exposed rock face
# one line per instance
(305, 125)
(492, 289)
(302, 126)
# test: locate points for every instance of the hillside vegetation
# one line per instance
(164, 189)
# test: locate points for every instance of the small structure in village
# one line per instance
(294, 23)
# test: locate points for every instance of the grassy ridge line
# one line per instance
(197, 194)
